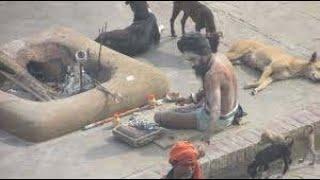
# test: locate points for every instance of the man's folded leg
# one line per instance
(176, 120)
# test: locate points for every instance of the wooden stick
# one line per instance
(81, 77)
(105, 26)
(105, 90)
(100, 47)
(10, 77)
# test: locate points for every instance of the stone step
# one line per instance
(237, 148)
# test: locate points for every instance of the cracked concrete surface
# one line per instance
(294, 26)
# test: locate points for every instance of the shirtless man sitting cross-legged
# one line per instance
(220, 107)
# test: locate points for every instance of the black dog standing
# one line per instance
(137, 38)
(270, 154)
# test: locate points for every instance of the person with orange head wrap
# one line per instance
(184, 160)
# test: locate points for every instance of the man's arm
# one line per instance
(195, 98)
(214, 98)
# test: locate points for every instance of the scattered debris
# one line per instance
(172, 97)
(153, 102)
(99, 123)
(71, 85)
(142, 124)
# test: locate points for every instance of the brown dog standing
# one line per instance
(200, 14)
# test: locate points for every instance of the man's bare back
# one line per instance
(221, 76)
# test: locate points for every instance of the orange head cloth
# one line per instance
(184, 153)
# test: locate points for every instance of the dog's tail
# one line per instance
(289, 141)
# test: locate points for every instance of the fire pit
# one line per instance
(52, 84)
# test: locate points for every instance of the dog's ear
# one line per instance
(313, 57)
(127, 2)
(289, 141)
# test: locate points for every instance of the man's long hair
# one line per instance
(197, 44)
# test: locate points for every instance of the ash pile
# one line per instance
(73, 79)
(71, 84)
(68, 87)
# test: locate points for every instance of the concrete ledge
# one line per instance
(40, 121)
(231, 152)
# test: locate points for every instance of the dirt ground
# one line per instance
(294, 26)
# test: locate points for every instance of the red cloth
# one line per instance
(184, 153)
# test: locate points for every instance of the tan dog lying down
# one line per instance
(273, 62)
